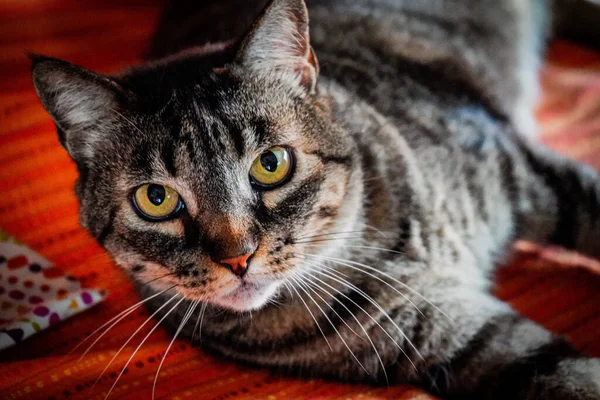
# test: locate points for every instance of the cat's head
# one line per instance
(208, 178)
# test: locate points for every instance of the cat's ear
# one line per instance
(278, 43)
(82, 103)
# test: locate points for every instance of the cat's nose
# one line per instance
(238, 264)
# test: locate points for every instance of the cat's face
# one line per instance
(216, 175)
(207, 179)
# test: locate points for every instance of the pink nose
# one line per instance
(238, 264)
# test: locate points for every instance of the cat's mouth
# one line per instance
(245, 295)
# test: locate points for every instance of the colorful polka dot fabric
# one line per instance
(34, 294)
(37, 205)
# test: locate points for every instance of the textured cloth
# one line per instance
(34, 294)
(37, 205)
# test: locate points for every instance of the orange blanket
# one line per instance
(37, 206)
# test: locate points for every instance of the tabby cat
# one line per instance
(339, 218)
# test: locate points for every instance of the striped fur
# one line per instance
(413, 178)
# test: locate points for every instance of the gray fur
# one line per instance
(414, 177)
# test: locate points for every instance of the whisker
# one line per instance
(305, 280)
(379, 279)
(354, 265)
(380, 308)
(131, 338)
(363, 238)
(198, 326)
(313, 317)
(119, 317)
(382, 233)
(155, 279)
(361, 247)
(355, 319)
(299, 282)
(329, 234)
(184, 321)
(366, 296)
(130, 122)
(286, 284)
(141, 344)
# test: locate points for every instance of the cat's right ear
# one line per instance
(83, 104)
(279, 45)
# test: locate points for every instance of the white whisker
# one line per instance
(361, 238)
(184, 321)
(142, 343)
(198, 326)
(329, 234)
(354, 265)
(361, 247)
(300, 284)
(372, 276)
(119, 317)
(130, 122)
(355, 319)
(380, 308)
(306, 281)
(382, 233)
(313, 317)
(131, 338)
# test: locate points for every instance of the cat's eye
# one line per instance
(156, 202)
(272, 168)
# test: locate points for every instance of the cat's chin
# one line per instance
(247, 296)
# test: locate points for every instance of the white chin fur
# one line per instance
(250, 297)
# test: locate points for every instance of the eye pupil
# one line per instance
(269, 161)
(156, 194)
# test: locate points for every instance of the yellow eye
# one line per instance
(156, 202)
(272, 168)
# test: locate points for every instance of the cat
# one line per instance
(333, 202)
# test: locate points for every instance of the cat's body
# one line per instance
(413, 177)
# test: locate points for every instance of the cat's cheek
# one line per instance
(146, 273)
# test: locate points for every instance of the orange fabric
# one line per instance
(37, 206)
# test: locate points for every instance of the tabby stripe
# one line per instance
(239, 142)
(509, 183)
(448, 25)
(345, 160)
(432, 78)
(517, 377)
(191, 230)
(168, 157)
(261, 128)
(506, 381)
(142, 241)
(206, 147)
(569, 194)
(298, 201)
(327, 212)
(107, 229)
(438, 383)
(216, 144)
(405, 227)
(141, 161)
(191, 149)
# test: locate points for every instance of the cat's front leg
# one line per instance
(511, 357)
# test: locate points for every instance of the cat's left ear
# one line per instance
(83, 104)
(279, 44)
